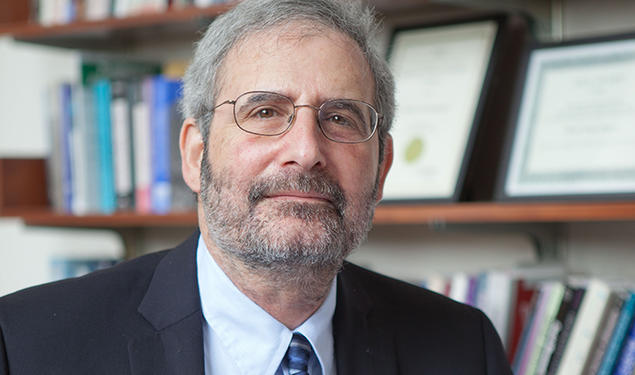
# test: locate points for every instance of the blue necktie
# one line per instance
(298, 355)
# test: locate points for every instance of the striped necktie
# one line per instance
(298, 355)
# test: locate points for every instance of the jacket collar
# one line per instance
(363, 342)
(172, 306)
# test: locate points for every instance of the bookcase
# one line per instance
(113, 34)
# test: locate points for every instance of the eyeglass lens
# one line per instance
(268, 113)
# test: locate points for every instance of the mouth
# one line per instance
(298, 196)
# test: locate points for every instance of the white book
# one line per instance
(436, 283)
(585, 328)
(460, 284)
(79, 204)
(97, 9)
(204, 3)
(46, 13)
(122, 8)
(551, 309)
(142, 153)
(121, 144)
(496, 300)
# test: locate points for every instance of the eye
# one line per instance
(265, 113)
(340, 120)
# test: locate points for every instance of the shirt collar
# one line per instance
(250, 336)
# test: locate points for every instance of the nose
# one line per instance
(304, 143)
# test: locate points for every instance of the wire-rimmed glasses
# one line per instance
(269, 114)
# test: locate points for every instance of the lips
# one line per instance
(300, 196)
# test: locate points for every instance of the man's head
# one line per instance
(297, 199)
(350, 17)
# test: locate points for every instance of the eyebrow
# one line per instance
(262, 96)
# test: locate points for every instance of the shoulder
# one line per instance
(445, 335)
(398, 297)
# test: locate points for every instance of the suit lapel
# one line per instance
(172, 306)
(363, 342)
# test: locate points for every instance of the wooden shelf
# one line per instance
(532, 212)
(117, 220)
(431, 214)
(116, 33)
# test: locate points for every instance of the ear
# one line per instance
(385, 165)
(191, 146)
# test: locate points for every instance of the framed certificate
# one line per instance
(574, 133)
(441, 73)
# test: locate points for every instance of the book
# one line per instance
(66, 129)
(142, 154)
(585, 329)
(102, 95)
(86, 151)
(122, 145)
(524, 301)
(182, 198)
(97, 9)
(524, 364)
(621, 329)
(496, 297)
(164, 94)
(553, 331)
(605, 331)
(553, 304)
(459, 285)
(626, 362)
(562, 338)
(55, 160)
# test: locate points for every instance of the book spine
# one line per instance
(606, 329)
(553, 304)
(565, 333)
(182, 198)
(107, 200)
(160, 125)
(531, 345)
(142, 148)
(626, 362)
(55, 159)
(121, 145)
(66, 137)
(585, 328)
(553, 331)
(523, 302)
(621, 329)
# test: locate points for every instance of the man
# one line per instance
(286, 144)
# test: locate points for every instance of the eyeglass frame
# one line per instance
(378, 116)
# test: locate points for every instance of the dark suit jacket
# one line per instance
(144, 317)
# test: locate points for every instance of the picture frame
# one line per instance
(573, 136)
(442, 75)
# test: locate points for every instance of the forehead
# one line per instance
(297, 59)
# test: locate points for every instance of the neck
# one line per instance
(290, 297)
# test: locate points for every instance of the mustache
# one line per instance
(315, 182)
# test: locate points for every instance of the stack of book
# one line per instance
(115, 142)
(52, 12)
(550, 326)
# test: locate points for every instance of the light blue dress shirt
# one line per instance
(242, 338)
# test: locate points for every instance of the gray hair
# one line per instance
(252, 16)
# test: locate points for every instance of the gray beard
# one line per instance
(257, 239)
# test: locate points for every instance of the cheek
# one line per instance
(240, 159)
(358, 175)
